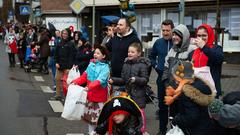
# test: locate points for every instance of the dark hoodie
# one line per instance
(210, 55)
(118, 46)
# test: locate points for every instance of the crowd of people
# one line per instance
(188, 82)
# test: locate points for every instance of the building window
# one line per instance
(149, 22)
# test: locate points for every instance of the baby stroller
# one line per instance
(31, 60)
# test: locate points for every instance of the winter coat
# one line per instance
(44, 45)
(177, 53)
(22, 46)
(128, 127)
(118, 46)
(210, 55)
(192, 116)
(96, 77)
(11, 43)
(159, 52)
(65, 53)
(138, 69)
(83, 56)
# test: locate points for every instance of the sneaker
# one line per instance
(56, 98)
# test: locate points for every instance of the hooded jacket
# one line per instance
(177, 52)
(192, 116)
(140, 70)
(210, 55)
(118, 46)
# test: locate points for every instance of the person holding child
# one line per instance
(96, 77)
(135, 76)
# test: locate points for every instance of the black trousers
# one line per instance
(11, 58)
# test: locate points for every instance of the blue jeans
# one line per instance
(163, 109)
(52, 65)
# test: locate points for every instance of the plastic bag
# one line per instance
(73, 74)
(175, 130)
(75, 103)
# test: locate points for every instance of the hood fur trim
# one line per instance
(197, 96)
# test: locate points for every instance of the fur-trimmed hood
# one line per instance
(202, 99)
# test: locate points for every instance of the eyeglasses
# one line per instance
(203, 35)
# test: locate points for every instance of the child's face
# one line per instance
(98, 55)
(118, 118)
(133, 53)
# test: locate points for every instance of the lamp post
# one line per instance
(182, 11)
(93, 23)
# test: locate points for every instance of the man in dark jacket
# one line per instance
(157, 57)
(64, 57)
(118, 45)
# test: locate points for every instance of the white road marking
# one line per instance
(39, 78)
(57, 106)
(46, 89)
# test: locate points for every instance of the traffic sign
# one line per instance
(77, 6)
(24, 10)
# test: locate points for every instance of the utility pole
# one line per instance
(217, 27)
(93, 23)
(182, 11)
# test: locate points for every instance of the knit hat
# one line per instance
(183, 69)
(179, 33)
(215, 106)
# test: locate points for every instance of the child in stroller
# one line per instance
(32, 59)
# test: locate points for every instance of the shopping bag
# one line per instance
(73, 74)
(204, 74)
(75, 103)
(175, 130)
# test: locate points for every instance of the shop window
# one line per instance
(149, 22)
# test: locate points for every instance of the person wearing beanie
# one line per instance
(120, 116)
(226, 114)
(193, 96)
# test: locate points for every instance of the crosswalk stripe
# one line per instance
(46, 89)
(57, 106)
(74, 134)
(39, 78)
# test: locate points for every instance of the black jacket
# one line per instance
(118, 46)
(83, 56)
(138, 69)
(65, 53)
(192, 117)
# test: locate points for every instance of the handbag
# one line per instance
(75, 103)
(73, 74)
(175, 130)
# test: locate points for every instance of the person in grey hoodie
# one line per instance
(180, 51)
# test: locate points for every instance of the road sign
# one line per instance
(24, 10)
(10, 15)
(77, 6)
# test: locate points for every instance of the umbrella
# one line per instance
(51, 29)
(107, 20)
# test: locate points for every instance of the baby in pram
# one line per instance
(32, 59)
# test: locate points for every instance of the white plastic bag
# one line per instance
(75, 103)
(73, 74)
(175, 130)
(204, 74)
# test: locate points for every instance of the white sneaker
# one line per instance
(146, 133)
